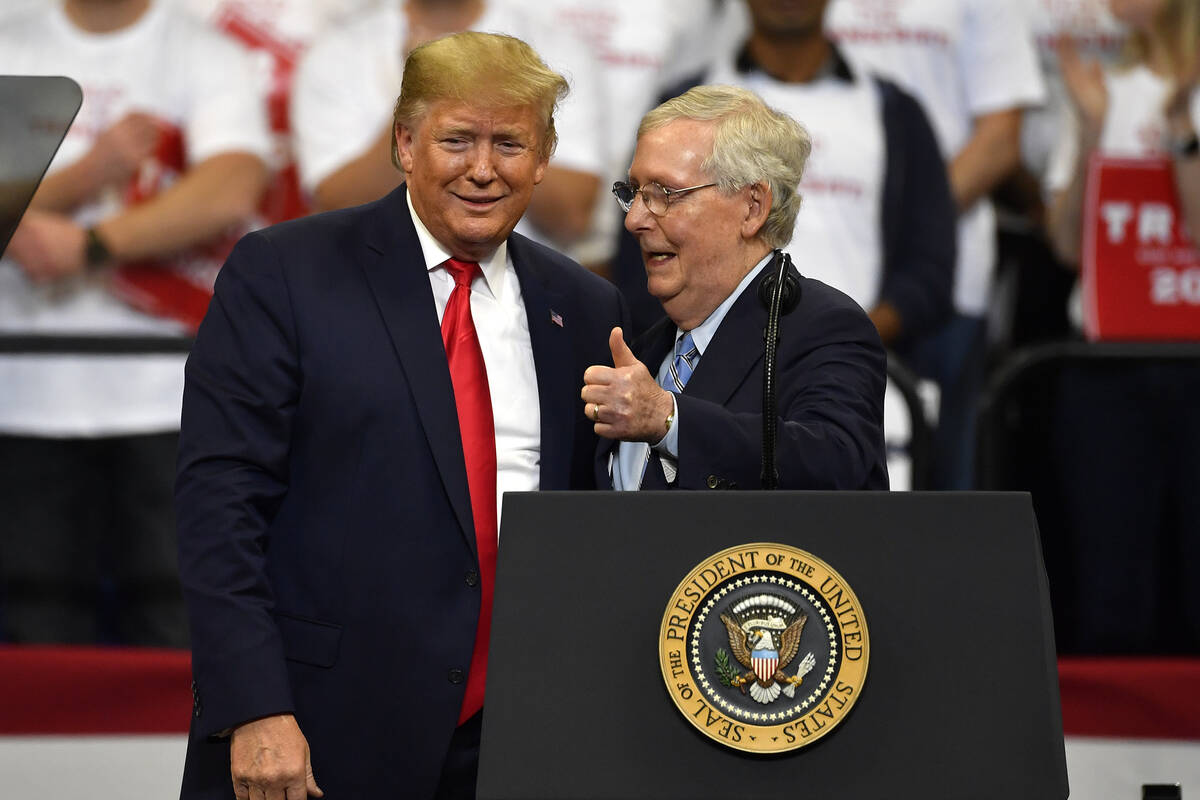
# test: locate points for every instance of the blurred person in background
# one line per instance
(164, 160)
(972, 66)
(1146, 107)
(277, 34)
(640, 49)
(1127, 438)
(1031, 290)
(347, 80)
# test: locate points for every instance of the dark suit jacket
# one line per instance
(326, 541)
(830, 372)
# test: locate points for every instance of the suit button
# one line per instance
(472, 578)
(456, 675)
(713, 482)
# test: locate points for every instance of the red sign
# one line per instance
(1141, 271)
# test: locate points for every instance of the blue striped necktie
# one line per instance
(660, 471)
(683, 365)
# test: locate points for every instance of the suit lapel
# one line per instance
(397, 277)
(732, 353)
(653, 345)
(558, 387)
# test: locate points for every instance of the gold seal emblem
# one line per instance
(764, 648)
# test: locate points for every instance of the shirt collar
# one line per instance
(835, 66)
(703, 333)
(436, 255)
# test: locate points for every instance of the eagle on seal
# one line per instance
(764, 660)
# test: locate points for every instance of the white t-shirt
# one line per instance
(166, 64)
(960, 59)
(838, 232)
(347, 84)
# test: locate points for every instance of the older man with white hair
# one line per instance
(711, 197)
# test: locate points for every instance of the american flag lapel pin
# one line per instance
(556, 318)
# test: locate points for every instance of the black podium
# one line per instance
(960, 698)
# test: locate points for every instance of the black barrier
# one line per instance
(38, 344)
(1100, 549)
(103, 595)
(1003, 416)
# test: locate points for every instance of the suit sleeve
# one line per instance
(920, 221)
(831, 416)
(240, 395)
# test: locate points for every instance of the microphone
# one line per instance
(779, 292)
(790, 295)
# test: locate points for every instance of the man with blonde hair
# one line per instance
(366, 386)
(711, 197)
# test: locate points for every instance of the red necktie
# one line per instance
(474, 404)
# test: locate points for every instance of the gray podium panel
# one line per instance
(961, 695)
(37, 111)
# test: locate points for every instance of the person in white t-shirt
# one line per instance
(349, 78)
(1148, 107)
(166, 154)
(972, 66)
(1031, 290)
(1096, 34)
(1126, 436)
(277, 35)
(641, 48)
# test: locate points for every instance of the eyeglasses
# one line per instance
(657, 197)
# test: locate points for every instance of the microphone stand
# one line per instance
(778, 288)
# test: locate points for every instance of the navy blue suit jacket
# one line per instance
(326, 542)
(830, 371)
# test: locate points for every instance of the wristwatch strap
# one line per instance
(96, 252)
(1185, 147)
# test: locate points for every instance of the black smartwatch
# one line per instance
(96, 253)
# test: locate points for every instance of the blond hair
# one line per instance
(752, 143)
(483, 69)
(1178, 25)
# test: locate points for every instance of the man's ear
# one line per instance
(758, 207)
(404, 146)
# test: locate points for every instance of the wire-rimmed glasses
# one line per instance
(657, 197)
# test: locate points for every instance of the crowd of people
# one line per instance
(205, 119)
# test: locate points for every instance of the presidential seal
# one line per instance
(764, 648)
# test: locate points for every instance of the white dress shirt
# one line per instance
(503, 329)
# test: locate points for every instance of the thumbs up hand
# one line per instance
(622, 355)
(624, 401)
